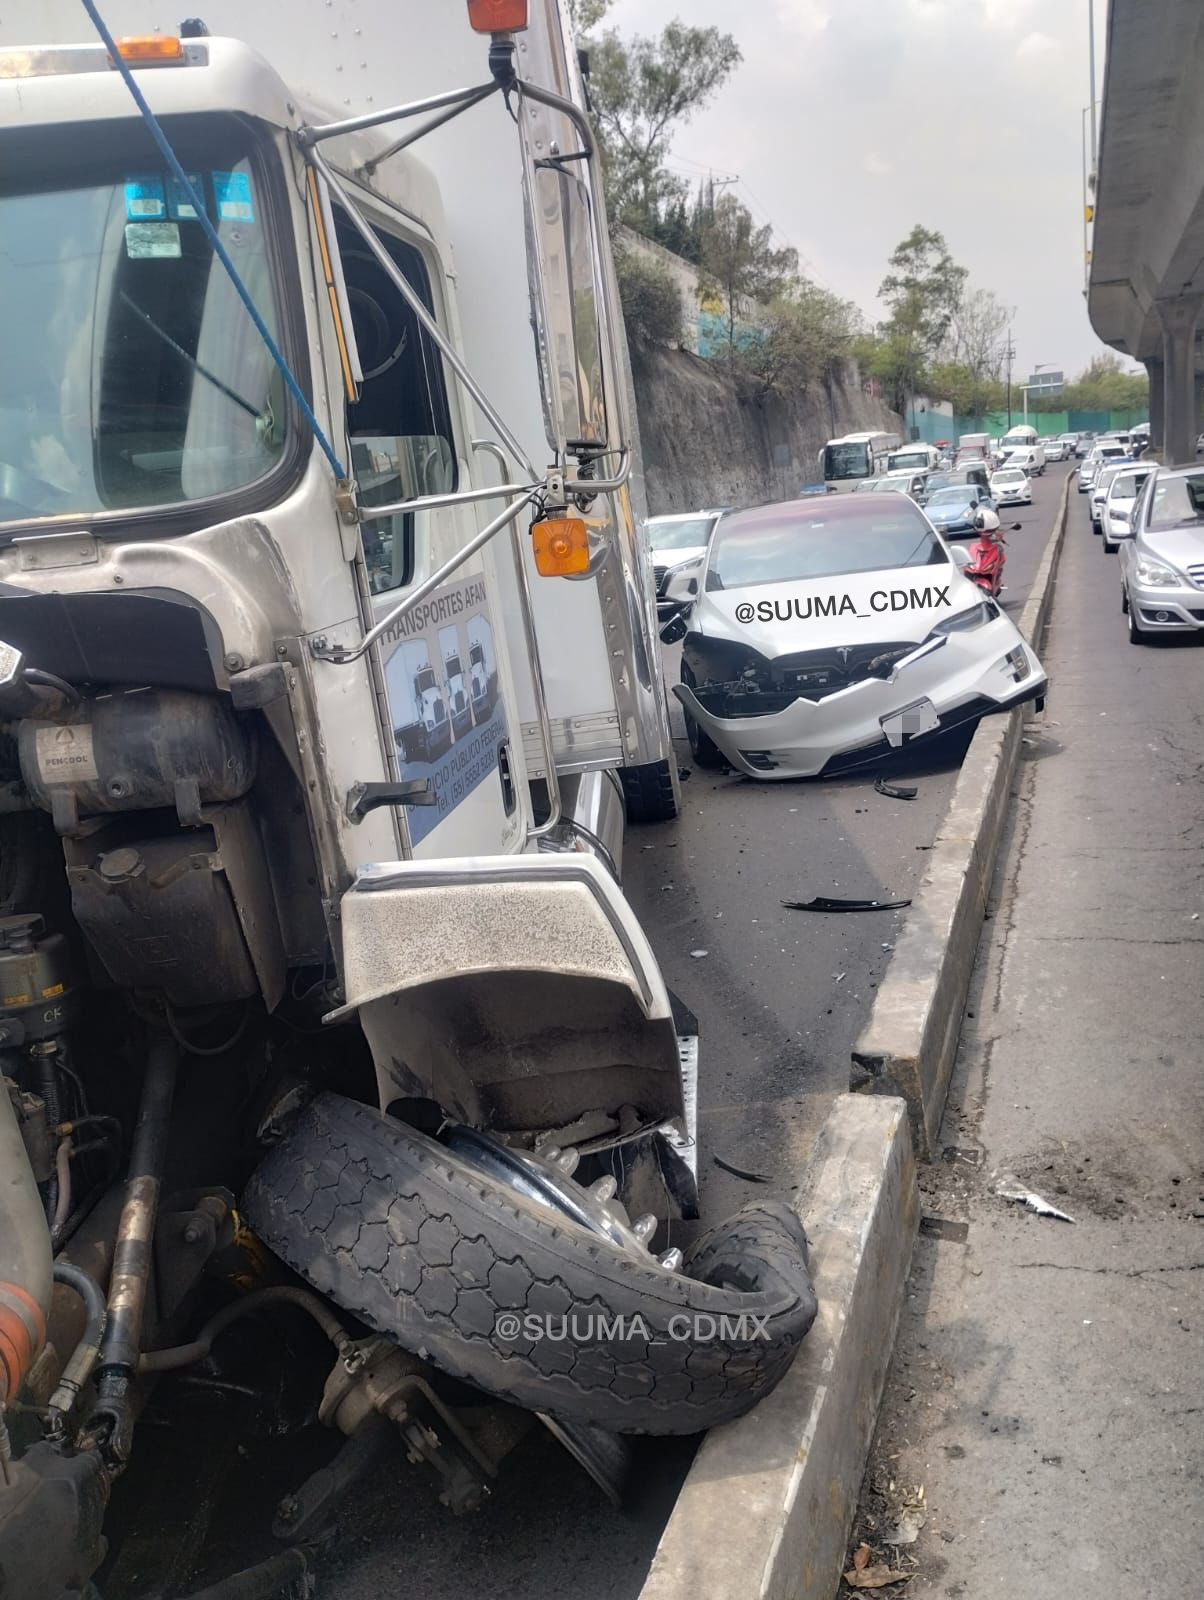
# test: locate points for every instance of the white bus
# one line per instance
(857, 455)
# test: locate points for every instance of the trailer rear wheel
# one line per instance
(499, 1288)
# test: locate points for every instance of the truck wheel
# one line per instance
(500, 1286)
(650, 792)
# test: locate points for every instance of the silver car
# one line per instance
(1162, 560)
(1116, 519)
(675, 541)
(820, 636)
(1100, 486)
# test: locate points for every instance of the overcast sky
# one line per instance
(851, 120)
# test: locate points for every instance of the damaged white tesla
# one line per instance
(820, 636)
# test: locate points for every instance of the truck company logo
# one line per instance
(832, 605)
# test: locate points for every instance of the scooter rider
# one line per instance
(987, 553)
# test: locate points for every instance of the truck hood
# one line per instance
(899, 604)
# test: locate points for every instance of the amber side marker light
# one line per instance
(497, 16)
(151, 50)
(561, 547)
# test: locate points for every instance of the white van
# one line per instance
(1029, 457)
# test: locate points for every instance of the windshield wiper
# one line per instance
(224, 388)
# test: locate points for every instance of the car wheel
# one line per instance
(1110, 548)
(436, 1245)
(1124, 600)
(1135, 634)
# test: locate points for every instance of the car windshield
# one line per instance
(895, 485)
(685, 533)
(1177, 503)
(793, 546)
(951, 497)
(131, 374)
(1012, 476)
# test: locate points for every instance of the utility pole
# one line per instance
(1010, 356)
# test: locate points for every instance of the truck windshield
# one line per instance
(131, 375)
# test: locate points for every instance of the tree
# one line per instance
(642, 90)
(978, 334)
(587, 14)
(1106, 386)
(739, 259)
(803, 336)
(923, 290)
(651, 301)
(971, 393)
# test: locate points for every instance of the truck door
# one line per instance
(407, 441)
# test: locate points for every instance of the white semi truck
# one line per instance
(312, 371)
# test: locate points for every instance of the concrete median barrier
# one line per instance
(767, 1506)
(909, 1044)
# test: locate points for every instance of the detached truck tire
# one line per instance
(504, 1293)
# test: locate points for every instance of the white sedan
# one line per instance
(820, 637)
(1011, 486)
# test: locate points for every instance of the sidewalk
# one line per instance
(1047, 1385)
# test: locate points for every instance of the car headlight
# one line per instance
(1155, 575)
(963, 621)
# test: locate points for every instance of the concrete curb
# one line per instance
(909, 1044)
(766, 1509)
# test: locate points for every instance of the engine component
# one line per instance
(25, 1281)
(129, 1281)
(51, 1511)
(187, 914)
(37, 998)
(141, 750)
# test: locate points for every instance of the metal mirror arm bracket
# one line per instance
(526, 606)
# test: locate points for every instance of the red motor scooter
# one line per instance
(987, 557)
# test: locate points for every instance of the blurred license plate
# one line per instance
(915, 719)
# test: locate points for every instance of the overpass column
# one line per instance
(1178, 318)
(1157, 377)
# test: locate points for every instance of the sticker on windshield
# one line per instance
(232, 196)
(152, 241)
(179, 207)
(144, 198)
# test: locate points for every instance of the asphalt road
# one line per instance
(1045, 1385)
(781, 997)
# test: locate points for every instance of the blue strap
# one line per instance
(211, 233)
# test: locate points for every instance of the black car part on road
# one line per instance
(504, 1291)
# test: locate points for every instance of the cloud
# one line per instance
(1005, 15)
(805, 16)
(875, 166)
(1035, 45)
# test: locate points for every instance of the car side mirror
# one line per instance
(683, 584)
(1016, 527)
(675, 629)
(961, 556)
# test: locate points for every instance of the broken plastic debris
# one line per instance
(896, 791)
(698, 954)
(1010, 1188)
(823, 902)
(839, 977)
